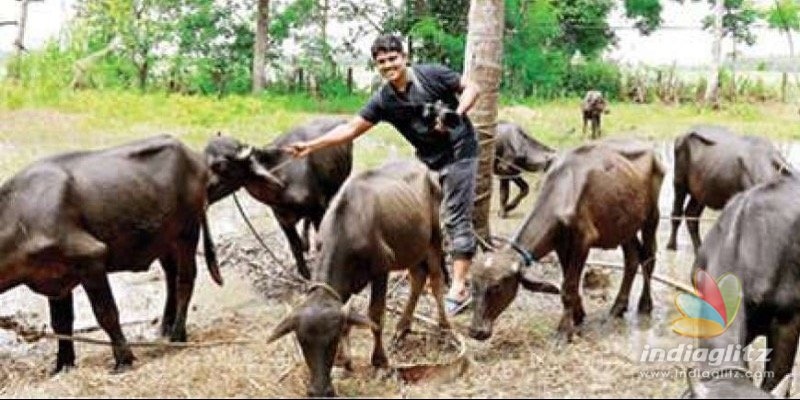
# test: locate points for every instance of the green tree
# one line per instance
(584, 26)
(785, 16)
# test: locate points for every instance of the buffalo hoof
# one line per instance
(62, 368)
(121, 369)
(563, 338)
(379, 360)
(645, 306)
(178, 335)
(618, 310)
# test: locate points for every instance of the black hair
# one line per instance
(386, 44)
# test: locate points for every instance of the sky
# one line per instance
(685, 47)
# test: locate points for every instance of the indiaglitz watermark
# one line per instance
(730, 354)
(704, 374)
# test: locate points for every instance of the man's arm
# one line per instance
(341, 134)
(469, 94)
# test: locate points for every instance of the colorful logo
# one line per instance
(712, 309)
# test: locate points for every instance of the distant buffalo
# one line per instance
(592, 108)
(515, 151)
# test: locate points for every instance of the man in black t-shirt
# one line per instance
(404, 101)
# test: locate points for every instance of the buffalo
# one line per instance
(755, 240)
(592, 109)
(382, 220)
(295, 189)
(711, 165)
(515, 151)
(71, 219)
(598, 195)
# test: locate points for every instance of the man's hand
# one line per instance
(299, 149)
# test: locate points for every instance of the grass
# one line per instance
(33, 126)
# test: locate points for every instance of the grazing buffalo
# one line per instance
(295, 189)
(755, 240)
(711, 165)
(598, 195)
(515, 151)
(592, 108)
(382, 220)
(71, 219)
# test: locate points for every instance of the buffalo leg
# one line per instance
(524, 189)
(504, 189)
(677, 215)
(184, 284)
(377, 305)
(169, 265)
(693, 211)
(572, 261)
(418, 276)
(585, 122)
(95, 282)
(62, 316)
(782, 339)
(437, 275)
(287, 224)
(648, 260)
(631, 251)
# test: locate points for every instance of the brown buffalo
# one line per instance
(382, 220)
(592, 109)
(598, 195)
(711, 165)
(515, 151)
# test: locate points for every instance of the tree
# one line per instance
(483, 65)
(712, 89)
(260, 46)
(785, 16)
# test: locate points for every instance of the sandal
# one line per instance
(455, 307)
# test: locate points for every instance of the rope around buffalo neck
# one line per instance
(324, 286)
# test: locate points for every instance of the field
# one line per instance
(519, 360)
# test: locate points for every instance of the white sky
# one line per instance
(685, 47)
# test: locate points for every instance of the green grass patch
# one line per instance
(33, 126)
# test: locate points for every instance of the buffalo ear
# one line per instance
(537, 286)
(289, 324)
(264, 173)
(356, 319)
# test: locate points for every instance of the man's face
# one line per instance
(390, 64)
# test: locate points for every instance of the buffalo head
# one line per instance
(496, 277)
(234, 164)
(319, 324)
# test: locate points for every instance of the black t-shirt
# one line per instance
(404, 111)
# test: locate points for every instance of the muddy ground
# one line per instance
(519, 360)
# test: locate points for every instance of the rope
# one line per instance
(253, 230)
(326, 288)
(182, 345)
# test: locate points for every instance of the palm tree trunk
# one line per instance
(483, 65)
(712, 90)
(260, 47)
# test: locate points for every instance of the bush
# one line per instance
(594, 75)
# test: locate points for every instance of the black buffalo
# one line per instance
(382, 220)
(711, 165)
(295, 189)
(515, 151)
(71, 219)
(755, 240)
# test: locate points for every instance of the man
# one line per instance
(451, 150)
